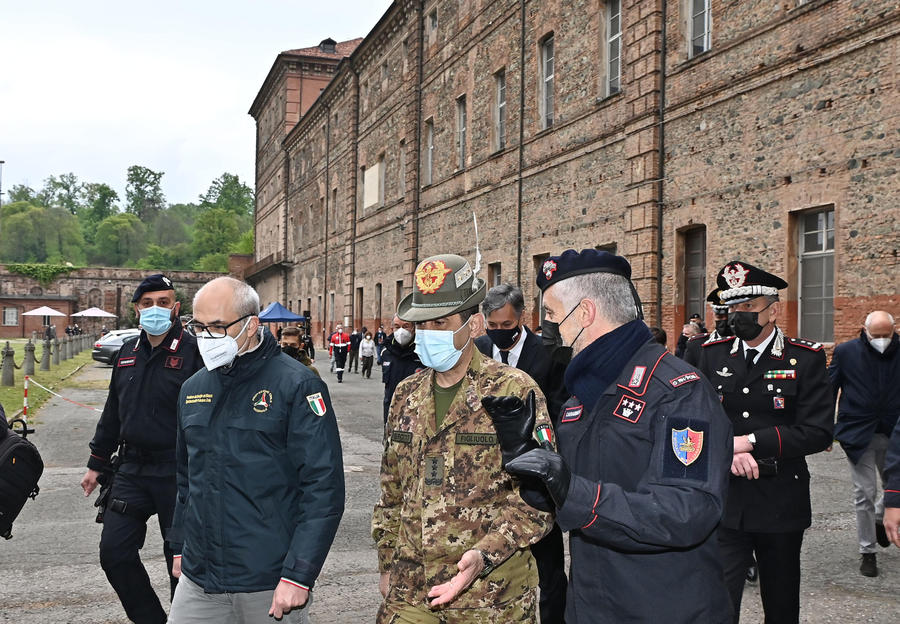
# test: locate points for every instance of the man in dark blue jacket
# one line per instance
(398, 359)
(866, 374)
(260, 473)
(645, 452)
(509, 341)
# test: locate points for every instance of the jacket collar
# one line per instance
(171, 342)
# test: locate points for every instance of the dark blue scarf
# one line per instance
(601, 362)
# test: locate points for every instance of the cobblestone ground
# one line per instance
(49, 571)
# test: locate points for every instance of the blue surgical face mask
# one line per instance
(155, 320)
(436, 349)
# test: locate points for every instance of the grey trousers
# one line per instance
(191, 605)
(868, 498)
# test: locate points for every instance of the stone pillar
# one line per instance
(28, 365)
(56, 351)
(45, 356)
(8, 367)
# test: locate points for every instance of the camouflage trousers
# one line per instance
(394, 611)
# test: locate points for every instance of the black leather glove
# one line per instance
(514, 422)
(547, 466)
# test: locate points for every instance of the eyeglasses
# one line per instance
(206, 331)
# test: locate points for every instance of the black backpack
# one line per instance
(20, 468)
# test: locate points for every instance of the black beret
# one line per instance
(152, 283)
(741, 281)
(571, 263)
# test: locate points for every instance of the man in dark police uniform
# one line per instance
(139, 420)
(776, 392)
(645, 449)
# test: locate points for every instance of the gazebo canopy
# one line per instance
(277, 313)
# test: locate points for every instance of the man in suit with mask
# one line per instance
(507, 340)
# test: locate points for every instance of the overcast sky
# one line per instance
(92, 87)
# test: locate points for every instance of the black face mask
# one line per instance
(504, 338)
(723, 328)
(745, 324)
(291, 350)
(550, 334)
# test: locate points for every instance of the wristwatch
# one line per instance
(751, 438)
(488, 566)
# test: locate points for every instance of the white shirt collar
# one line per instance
(761, 347)
(515, 352)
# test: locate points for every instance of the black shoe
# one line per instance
(752, 573)
(868, 566)
(881, 535)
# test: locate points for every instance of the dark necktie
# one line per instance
(504, 357)
(749, 357)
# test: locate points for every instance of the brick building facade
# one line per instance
(107, 288)
(679, 133)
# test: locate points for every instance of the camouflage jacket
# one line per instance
(444, 492)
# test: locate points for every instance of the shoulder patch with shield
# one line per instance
(317, 403)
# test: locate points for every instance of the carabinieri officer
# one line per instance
(139, 419)
(776, 392)
(645, 449)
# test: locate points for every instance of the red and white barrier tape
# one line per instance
(56, 395)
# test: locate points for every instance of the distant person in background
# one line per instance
(338, 346)
(659, 335)
(353, 352)
(380, 343)
(399, 359)
(697, 320)
(307, 342)
(367, 353)
(866, 373)
(290, 344)
(688, 331)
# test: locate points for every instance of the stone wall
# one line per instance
(794, 108)
(107, 288)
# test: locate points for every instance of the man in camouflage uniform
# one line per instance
(451, 530)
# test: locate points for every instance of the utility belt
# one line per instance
(136, 455)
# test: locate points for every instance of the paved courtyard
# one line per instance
(50, 572)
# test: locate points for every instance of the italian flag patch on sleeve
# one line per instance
(316, 403)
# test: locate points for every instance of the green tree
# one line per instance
(121, 240)
(33, 233)
(64, 191)
(212, 262)
(229, 193)
(215, 231)
(245, 243)
(143, 194)
(100, 203)
(21, 193)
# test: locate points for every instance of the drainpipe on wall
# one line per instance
(355, 186)
(661, 174)
(521, 142)
(417, 191)
(285, 186)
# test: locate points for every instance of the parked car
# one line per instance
(106, 349)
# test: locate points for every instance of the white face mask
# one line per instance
(403, 336)
(219, 351)
(879, 344)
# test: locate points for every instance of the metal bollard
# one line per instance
(45, 356)
(28, 364)
(56, 352)
(8, 373)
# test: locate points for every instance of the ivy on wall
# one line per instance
(42, 273)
